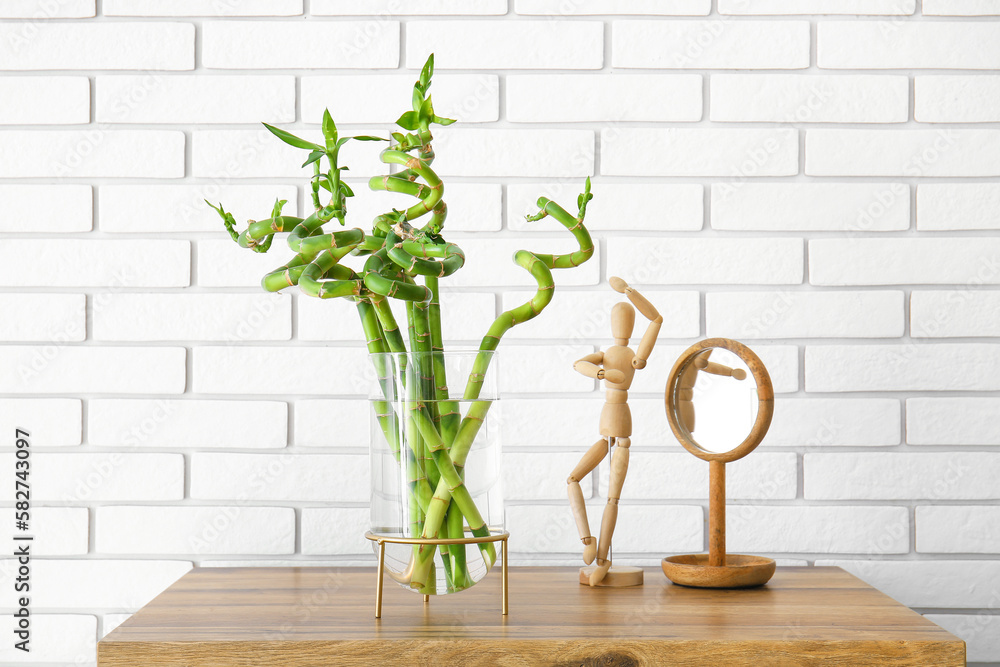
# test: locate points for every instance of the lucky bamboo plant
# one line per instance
(405, 262)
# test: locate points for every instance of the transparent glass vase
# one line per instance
(435, 466)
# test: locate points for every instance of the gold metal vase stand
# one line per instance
(381, 540)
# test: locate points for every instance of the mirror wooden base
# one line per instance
(617, 576)
(738, 572)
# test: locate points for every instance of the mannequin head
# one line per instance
(622, 321)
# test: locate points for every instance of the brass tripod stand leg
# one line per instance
(378, 584)
(381, 540)
(503, 572)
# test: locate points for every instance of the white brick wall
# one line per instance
(847, 207)
(941, 584)
(80, 477)
(204, 317)
(49, 208)
(286, 477)
(710, 44)
(804, 315)
(94, 263)
(154, 98)
(67, 639)
(961, 7)
(57, 422)
(826, 422)
(30, 9)
(201, 8)
(48, 100)
(92, 45)
(709, 152)
(887, 7)
(294, 44)
(92, 153)
(469, 98)
(678, 475)
(180, 208)
(584, 7)
(700, 261)
(541, 98)
(522, 45)
(957, 529)
(629, 206)
(882, 261)
(957, 99)
(515, 153)
(923, 44)
(892, 476)
(944, 206)
(114, 584)
(951, 421)
(196, 530)
(914, 153)
(171, 423)
(790, 98)
(847, 529)
(818, 178)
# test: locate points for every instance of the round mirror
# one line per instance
(719, 400)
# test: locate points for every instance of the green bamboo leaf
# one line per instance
(227, 220)
(292, 140)
(329, 130)
(443, 121)
(426, 73)
(278, 205)
(426, 112)
(399, 137)
(346, 189)
(581, 201)
(368, 137)
(313, 156)
(418, 97)
(409, 121)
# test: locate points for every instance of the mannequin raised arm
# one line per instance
(648, 311)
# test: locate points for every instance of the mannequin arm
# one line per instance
(590, 365)
(647, 343)
(643, 305)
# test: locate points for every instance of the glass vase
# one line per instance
(436, 466)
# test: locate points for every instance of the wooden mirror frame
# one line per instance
(765, 400)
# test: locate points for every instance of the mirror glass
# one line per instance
(716, 398)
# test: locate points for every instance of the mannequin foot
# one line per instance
(599, 572)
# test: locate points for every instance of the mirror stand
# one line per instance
(717, 569)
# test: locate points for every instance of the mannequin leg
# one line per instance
(619, 468)
(590, 460)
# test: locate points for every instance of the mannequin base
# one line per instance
(617, 576)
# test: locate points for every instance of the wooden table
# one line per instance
(297, 617)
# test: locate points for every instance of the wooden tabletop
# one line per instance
(298, 617)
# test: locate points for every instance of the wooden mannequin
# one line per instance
(616, 366)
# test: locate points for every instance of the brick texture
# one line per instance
(815, 178)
